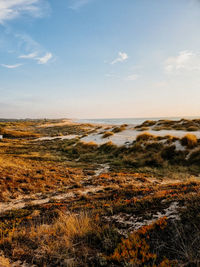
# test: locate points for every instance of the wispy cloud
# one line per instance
(29, 56)
(36, 53)
(11, 9)
(76, 4)
(132, 77)
(121, 57)
(11, 66)
(112, 75)
(184, 61)
(45, 58)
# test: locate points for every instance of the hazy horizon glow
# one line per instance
(99, 58)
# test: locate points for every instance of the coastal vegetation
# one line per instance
(180, 125)
(69, 202)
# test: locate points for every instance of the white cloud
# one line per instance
(112, 75)
(11, 9)
(11, 66)
(45, 58)
(133, 77)
(184, 61)
(29, 56)
(76, 4)
(33, 49)
(121, 57)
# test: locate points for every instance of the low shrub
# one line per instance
(107, 134)
(135, 250)
(119, 129)
(189, 140)
(107, 147)
(195, 157)
(192, 128)
(46, 244)
(147, 123)
(17, 134)
(142, 129)
(169, 152)
(89, 144)
(155, 147)
(154, 161)
(145, 137)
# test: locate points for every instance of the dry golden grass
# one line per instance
(21, 176)
(47, 235)
(145, 136)
(143, 129)
(18, 134)
(89, 144)
(107, 134)
(4, 262)
(189, 140)
(119, 129)
(45, 242)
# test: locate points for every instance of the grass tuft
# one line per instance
(189, 140)
(145, 137)
(107, 134)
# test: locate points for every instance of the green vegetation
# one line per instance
(148, 151)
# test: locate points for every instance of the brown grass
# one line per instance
(49, 243)
(25, 176)
(4, 262)
(145, 136)
(107, 134)
(90, 144)
(119, 129)
(17, 134)
(189, 140)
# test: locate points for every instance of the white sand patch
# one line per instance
(33, 200)
(129, 223)
(178, 146)
(61, 137)
(103, 169)
(192, 151)
(18, 204)
(170, 212)
(122, 138)
(63, 196)
(129, 135)
(91, 190)
(169, 181)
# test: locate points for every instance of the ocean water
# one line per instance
(132, 121)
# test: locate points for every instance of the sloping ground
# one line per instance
(97, 214)
(113, 206)
(22, 178)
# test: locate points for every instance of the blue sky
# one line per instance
(99, 58)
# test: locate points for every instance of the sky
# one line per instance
(99, 58)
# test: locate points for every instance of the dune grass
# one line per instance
(49, 243)
(189, 140)
(107, 134)
(145, 136)
(143, 210)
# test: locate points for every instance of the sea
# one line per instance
(132, 121)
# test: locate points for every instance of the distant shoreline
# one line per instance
(130, 121)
